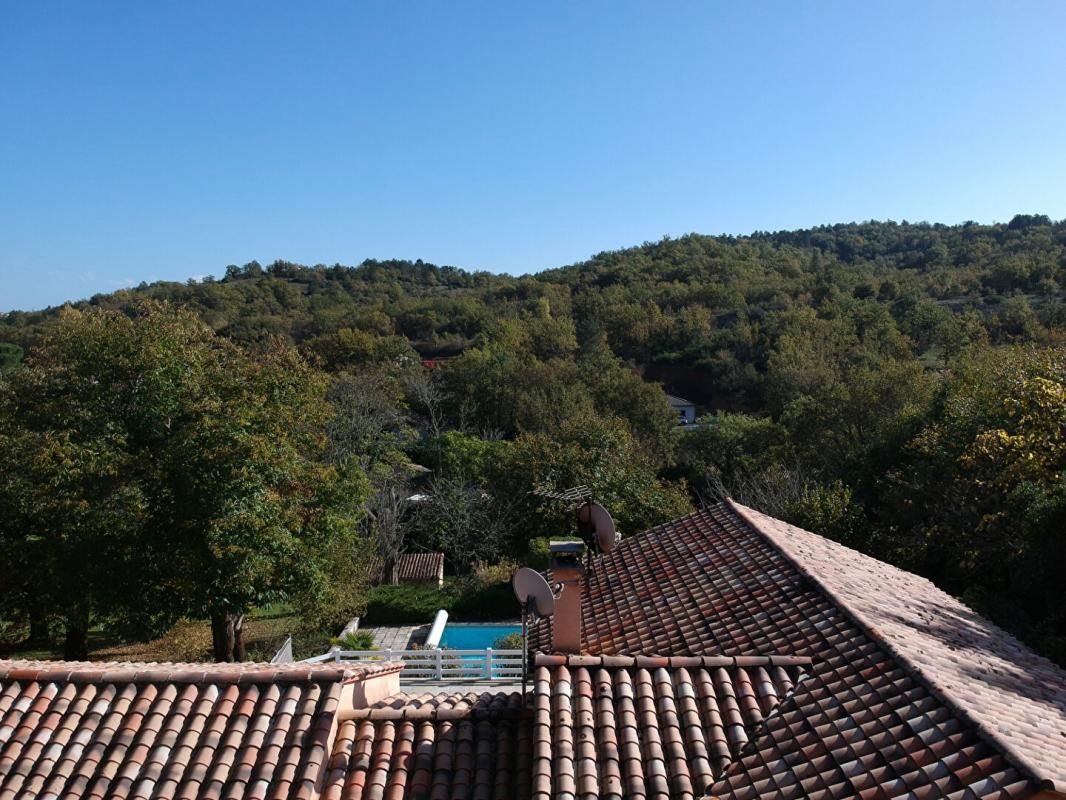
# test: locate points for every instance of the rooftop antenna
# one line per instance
(569, 499)
(536, 597)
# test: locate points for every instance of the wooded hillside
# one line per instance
(900, 387)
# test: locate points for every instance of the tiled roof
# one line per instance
(418, 567)
(890, 705)
(643, 726)
(433, 746)
(982, 674)
(596, 727)
(83, 729)
(703, 584)
(790, 667)
(176, 672)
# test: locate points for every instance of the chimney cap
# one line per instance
(566, 548)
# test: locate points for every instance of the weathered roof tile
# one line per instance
(418, 568)
(590, 729)
(725, 653)
(74, 730)
(902, 674)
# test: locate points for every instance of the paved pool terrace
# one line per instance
(404, 637)
(397, 637)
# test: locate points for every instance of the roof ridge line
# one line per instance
(186, 673)
(669, 662)
(405, 713)
(909, 666)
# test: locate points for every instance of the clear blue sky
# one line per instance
(151, 140)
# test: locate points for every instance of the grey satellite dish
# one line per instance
(593, 519)
(530, 587)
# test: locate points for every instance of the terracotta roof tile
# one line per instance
(725, 653)
(889, 706)
(590, 729)
(1015, 698)
(81, 730)
(418, 568)
(448, 745)
(97, 672)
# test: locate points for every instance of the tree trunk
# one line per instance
(76, 640)
(239, 653)
(39, 633)
(222, 636)
(227, 636)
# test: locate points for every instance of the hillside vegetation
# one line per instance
(900, 387)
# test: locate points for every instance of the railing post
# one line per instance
(388, 654)
(488, 662)
(336, 651)
(438, 656)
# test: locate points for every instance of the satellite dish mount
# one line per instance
(596, 527)
(535, 597)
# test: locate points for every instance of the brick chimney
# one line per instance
(567, 569)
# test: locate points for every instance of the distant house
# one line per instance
(685, 409)
(419, 568)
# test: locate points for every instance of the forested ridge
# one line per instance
(899, 387)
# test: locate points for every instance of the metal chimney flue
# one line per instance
(569, 572)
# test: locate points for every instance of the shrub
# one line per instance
(512, 641)
(485, 603)
(468, 600)
(494, 574)
(539, 555)
(407, 603)
(356, 640)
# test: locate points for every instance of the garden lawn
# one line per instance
(190, 640)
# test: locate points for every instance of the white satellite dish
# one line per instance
(594, 519)
(530, 587)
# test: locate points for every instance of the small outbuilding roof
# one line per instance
(678, 402)
(418, 567)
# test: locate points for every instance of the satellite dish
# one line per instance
(530, 587)
(594, 520)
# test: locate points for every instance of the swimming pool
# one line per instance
(475, 636)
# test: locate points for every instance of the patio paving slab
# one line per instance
(397, 637)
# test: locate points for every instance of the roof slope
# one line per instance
(702, 584)
(647, 726)
(608, 727)
(74, 730)
(985, 675)
(440, 746)
(865, 715)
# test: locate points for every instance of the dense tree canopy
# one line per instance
(897, 386)
(152, 470)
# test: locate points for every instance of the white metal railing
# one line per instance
(437, 664)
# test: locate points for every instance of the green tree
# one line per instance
(730, 449)
(594, 451)
(978, 500)
(10, 356)
(156, 470)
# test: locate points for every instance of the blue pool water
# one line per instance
(475, 637)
